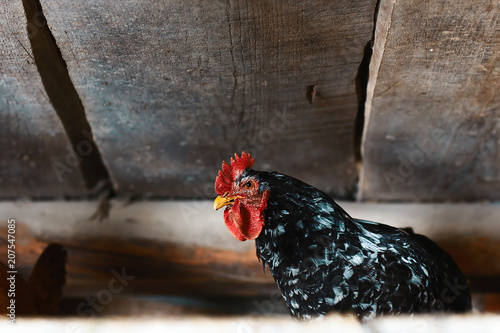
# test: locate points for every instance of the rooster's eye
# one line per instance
(248, 184)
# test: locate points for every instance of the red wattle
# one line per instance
(245, 222)
(231, 226)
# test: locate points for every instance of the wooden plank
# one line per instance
(266, 324)
(36, 158)
(191, 324)
(433, 109)
(130, 305)
(434, 324)
(173, 88)
(183, 247)
(176, 252)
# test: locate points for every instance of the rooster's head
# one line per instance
(245, 198)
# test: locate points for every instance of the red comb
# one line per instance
(230, 173)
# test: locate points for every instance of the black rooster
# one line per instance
(324, 260)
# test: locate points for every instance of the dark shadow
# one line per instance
(63, 95)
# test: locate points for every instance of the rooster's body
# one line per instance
(322, 259)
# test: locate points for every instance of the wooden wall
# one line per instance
(161, 92)
(32, 138)
(433, 111)
(151, 96)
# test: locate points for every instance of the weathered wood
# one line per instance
(434, 324)
(173, 88)
(433, 109)
(194, 324)
(183, 248)
(265, 324)
(33, 144)
(176, 252)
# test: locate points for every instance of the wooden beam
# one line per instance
(183, 248)
(433, 111)
(188, 324)
(36, 157)
(173, 88)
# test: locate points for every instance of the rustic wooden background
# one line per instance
(172, 88)
(433, 112)
(153, 96)
(182, 248)
(370, 100)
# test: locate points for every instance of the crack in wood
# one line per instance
(361, 83)
(65, 99)
(231, 51)
(381, 24)
(13, 34)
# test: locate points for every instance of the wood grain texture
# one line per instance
(153, 265)
(433, 109)
(183, 248)
(32, 138)
(171, 88)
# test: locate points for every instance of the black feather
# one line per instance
(324, 260)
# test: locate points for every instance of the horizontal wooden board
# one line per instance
(171, 88)
(183, 248)
(266, 323)
(36, 157)
(191, 324)
(194, 324)
(433, 109)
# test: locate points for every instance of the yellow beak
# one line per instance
(220, 202)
